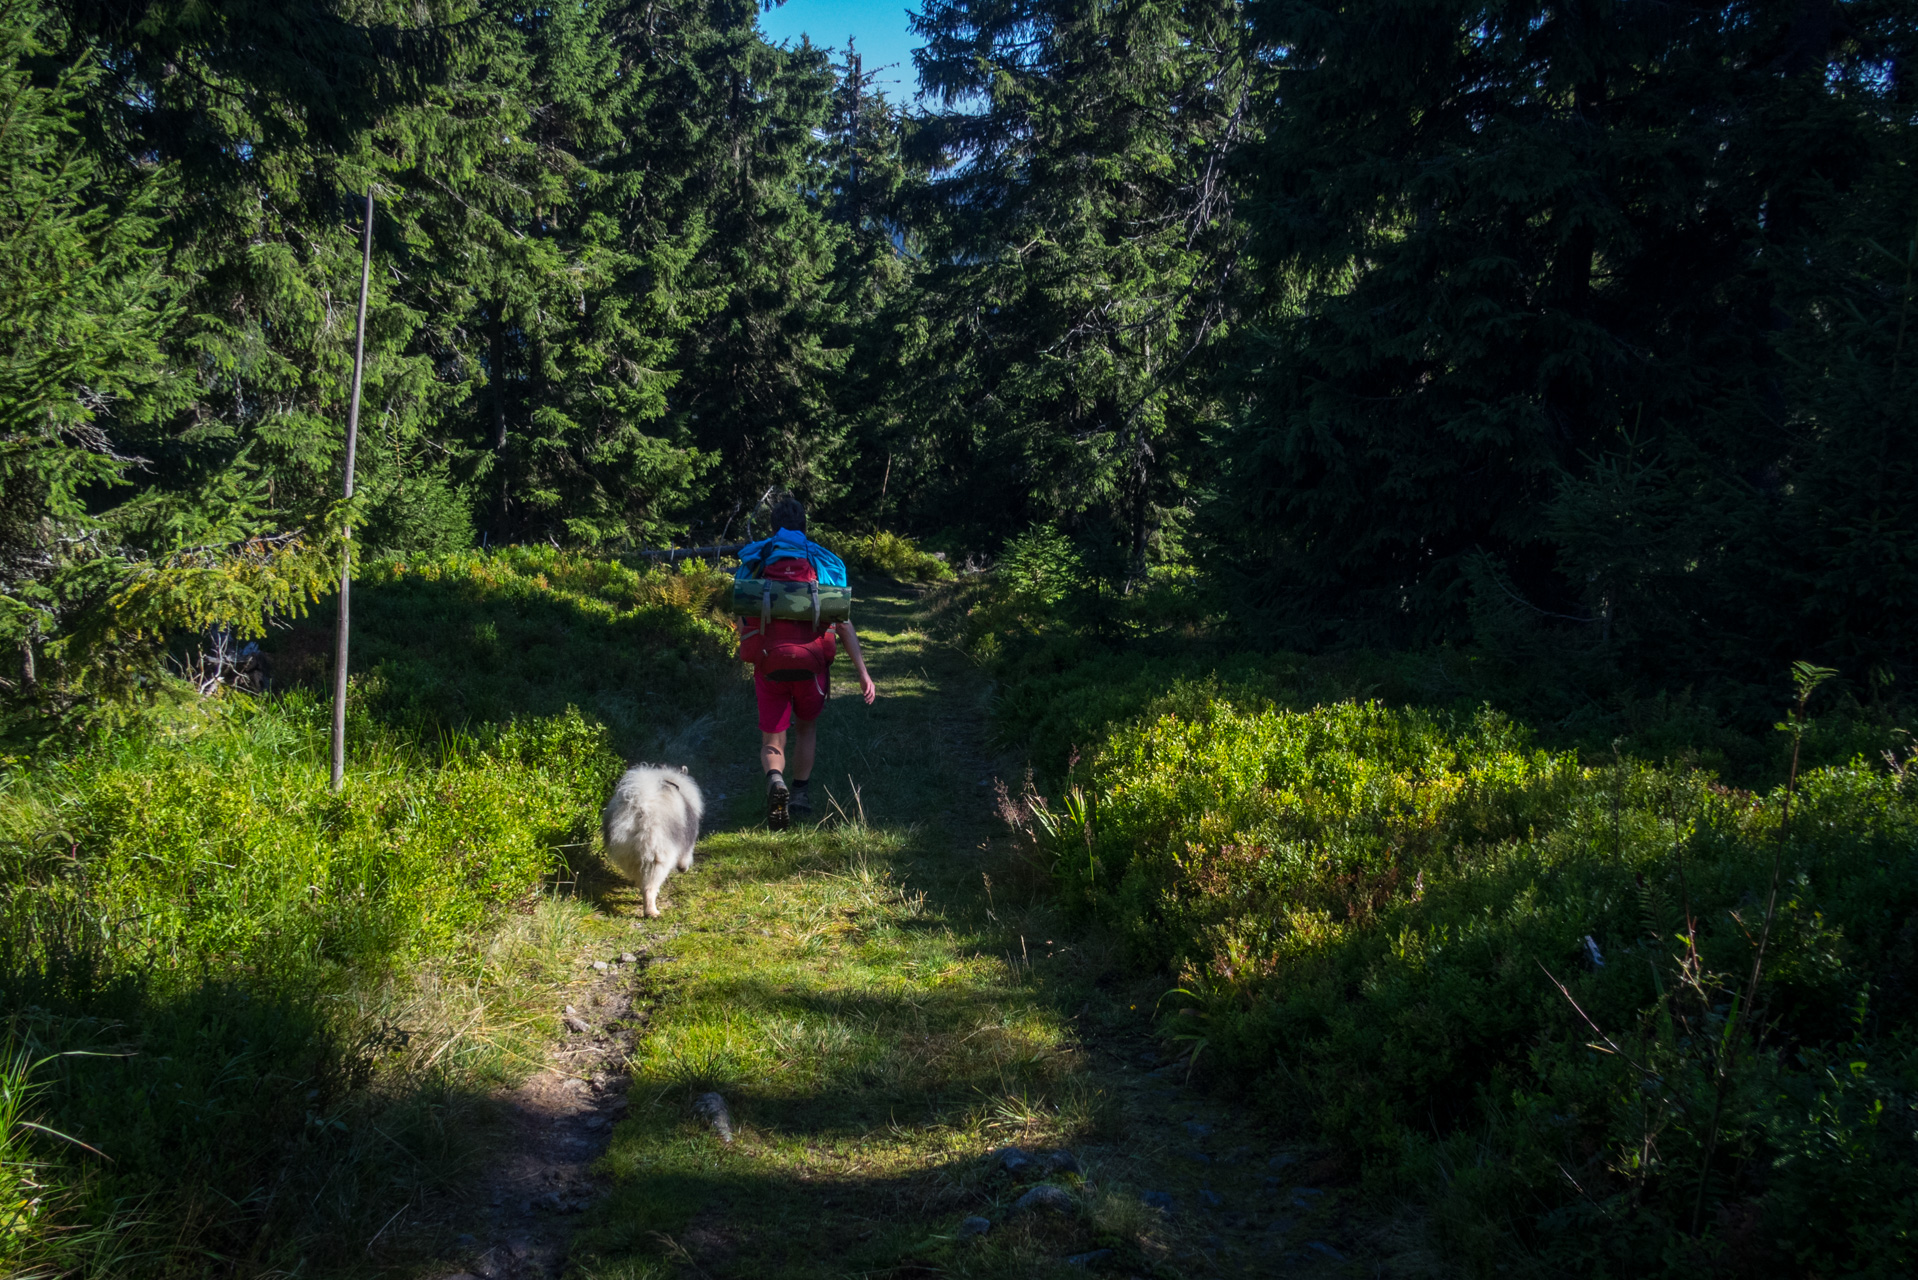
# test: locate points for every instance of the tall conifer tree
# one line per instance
(1082, 235)
(875, 188)
(1520, 313)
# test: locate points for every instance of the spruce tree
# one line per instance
(573, 291)
(755, 370)
(873, 190)
(96, 574)
(1082, 236)
(1520, 333)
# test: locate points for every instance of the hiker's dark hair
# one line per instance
(788, 512)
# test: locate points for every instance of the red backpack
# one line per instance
(788, 649)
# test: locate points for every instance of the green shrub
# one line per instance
(481, 637)
(1040, 568)
(201, 909)
(1504, 977)
(217, 957)
(888, 553)
(224, 846)
(1271, 816)
(1028, 599)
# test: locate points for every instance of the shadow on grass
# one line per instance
(228, 1125)
(690, 1206)
(454, 652)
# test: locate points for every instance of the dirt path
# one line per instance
(556, 1125)
(928, 1070)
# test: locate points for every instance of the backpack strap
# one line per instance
(813, 589)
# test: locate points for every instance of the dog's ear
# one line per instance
(684, 769)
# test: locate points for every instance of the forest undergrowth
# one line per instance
(1626, 1010)
(1415, 445)
(254, 1017)
(1307, 972)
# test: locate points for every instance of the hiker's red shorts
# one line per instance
(781, 700)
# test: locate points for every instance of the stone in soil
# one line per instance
(1013, 1160)
(1157, 1200)
(974, 1226)
(1062, 1162)
(1048, 1198)
(1087, 1259)
(711, 1108)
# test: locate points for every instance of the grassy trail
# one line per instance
(884, 1001)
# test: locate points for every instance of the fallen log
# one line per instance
(673, 554)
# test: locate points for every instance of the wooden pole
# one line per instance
(346, 550)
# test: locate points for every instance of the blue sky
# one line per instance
(880, 25)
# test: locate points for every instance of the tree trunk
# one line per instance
(1141, 508)
(498, 353)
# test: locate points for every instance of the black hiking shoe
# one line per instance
(800, 806)
(778, 817)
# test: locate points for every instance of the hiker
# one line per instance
(792, 657)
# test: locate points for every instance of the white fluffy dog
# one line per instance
(651, 824)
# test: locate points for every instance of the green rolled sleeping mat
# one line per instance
(773, 600)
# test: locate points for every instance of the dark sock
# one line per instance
(797, 783)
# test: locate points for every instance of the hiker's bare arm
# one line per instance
(850, 638)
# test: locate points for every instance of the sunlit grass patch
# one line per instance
(875, 1030)
(848, 852)
(865, 1050)
(227, 848)
(482, 1017)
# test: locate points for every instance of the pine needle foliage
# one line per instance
(1538, 291)
(1080, 234)
(93, 580)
